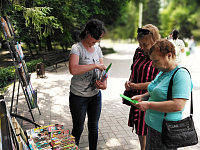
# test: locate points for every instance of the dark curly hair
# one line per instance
(175, 34)
(163, 47)
(94, 27)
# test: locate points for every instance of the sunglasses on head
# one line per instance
(143, 31)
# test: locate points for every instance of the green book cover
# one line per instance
(129, 99)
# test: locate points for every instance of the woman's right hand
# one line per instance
(137, 98)
(127, 85)
(140, 98)
(100, 66)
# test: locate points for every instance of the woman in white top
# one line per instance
(179, 45)
(86, 59)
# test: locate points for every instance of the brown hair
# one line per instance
(163, 47)
(152, 38)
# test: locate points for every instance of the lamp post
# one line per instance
(140, 15)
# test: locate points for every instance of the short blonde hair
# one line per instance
(151, 37)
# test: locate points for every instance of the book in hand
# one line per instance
(129, 99)
(104, 74)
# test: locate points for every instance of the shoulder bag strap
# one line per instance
(169, 92)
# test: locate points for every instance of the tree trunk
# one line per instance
(66, 47)
(37, 50)
(48, 43)
(30, 50)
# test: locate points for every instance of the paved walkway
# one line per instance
(114, 134)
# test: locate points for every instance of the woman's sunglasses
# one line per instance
(143, 31)
(96, 37)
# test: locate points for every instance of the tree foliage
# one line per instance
(151, 13)
(179, 15)
(38, 17)
(43, 22)
(126, 24)
(58, 20)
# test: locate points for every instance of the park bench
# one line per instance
(53, 58)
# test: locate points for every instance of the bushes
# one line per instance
(31, 66)
(7, 75)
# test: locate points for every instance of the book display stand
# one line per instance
(8, 136)
(21, 73)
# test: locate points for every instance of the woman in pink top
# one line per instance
(142, 73)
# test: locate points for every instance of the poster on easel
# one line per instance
(32, 96)
(12, 31)
(5, 27)
(23, 72)
(22, 76)
(19, 50)
(23, 66)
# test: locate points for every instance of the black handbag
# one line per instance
(178, 133)
(128, 94)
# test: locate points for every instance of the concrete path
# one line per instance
(114, 134)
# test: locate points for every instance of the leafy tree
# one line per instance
(57, 20)
(128, 21)
(180, 15)
(151, 12)
(75, 13)
(127, 24)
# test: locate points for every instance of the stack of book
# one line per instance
(51, 137)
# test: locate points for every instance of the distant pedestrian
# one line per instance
(179, 45)
(170, 36)
(86, 59)
(192, 45)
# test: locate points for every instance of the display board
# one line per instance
(21, 72)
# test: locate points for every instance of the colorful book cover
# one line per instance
(9, 26)
(40, 138)
(104, 74)
(25, 68)
(30, 97)
(6, 29)
(22, 75)
(19, 50)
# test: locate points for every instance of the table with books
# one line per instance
(51, 137)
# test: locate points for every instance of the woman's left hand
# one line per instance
(143, 106)
(101, 85)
